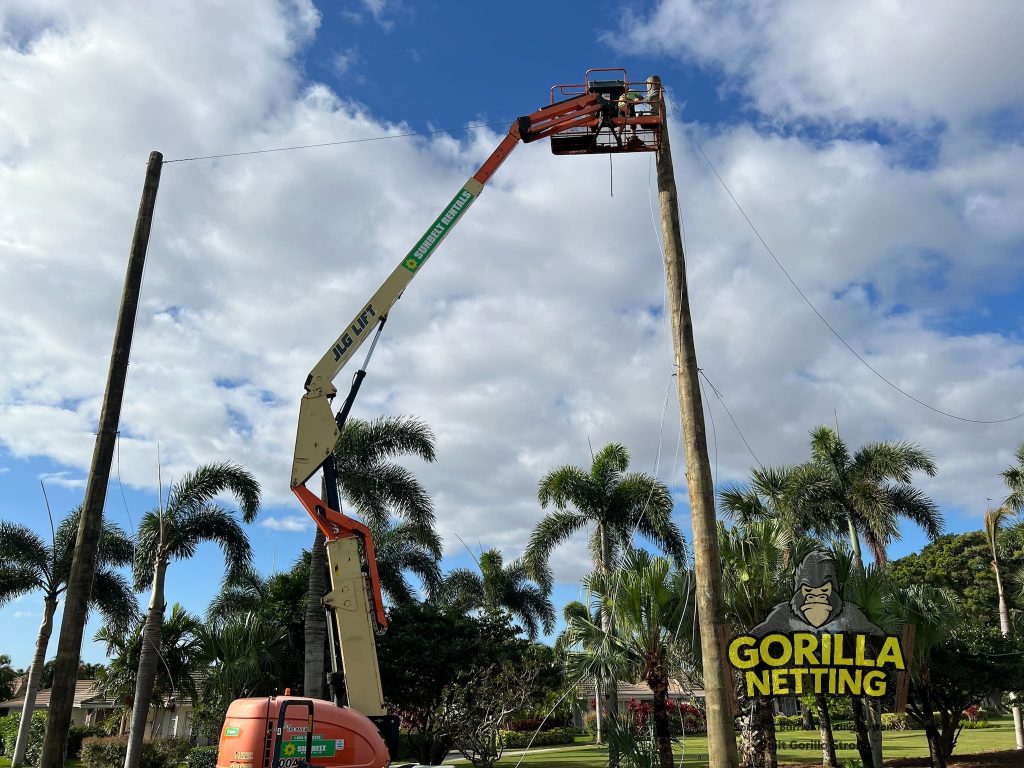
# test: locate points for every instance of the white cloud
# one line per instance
(290, 523)
(26, 615)
(889, 60)
(344, 61)
(535, 328)
(64, 479)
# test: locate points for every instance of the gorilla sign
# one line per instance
(816, 642)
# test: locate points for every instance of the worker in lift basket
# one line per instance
(627, 108)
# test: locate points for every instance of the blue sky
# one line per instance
(877, 150)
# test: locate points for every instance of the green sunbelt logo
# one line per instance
(421, 252)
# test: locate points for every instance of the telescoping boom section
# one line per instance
(353, 602)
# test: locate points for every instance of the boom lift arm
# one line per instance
(319, 429)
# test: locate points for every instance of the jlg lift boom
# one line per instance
(595, 118)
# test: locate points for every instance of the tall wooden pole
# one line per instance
(83, 567)
(718, 692)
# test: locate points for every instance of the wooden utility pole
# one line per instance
(83, 567)
(718, 689)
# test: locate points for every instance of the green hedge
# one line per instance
(9, 735)
(79, 733)
(894, 722)
(519, 740)
(202, 757)
(970, 726)
(109, 752)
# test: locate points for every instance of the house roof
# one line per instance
(639, 690)
(85, 691)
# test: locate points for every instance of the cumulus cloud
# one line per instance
(849, 60)
(291, 523)
(536, 330)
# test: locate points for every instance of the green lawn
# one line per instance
(794, 747)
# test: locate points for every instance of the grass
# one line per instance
(794, 747)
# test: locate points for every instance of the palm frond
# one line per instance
(199, 488)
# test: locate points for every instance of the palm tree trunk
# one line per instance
(316, 621)
(1004, 627)
(759, 747)
(611, 685)
(659, 713)
(861, 729)
(873, 716)
(828, 744)
(35, 673)
(858, 559)
(148, 657)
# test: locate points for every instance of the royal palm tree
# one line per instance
(27, 564)
(614, 505)
(993, 520)
(243, 591)
(1014, 479)
(757, 565)
(403, 548)
(376, 488)
(179, 654)
(648, 607)
(865, 494)
(190, 518)
(499, 589)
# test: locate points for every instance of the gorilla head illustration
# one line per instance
(816, 597)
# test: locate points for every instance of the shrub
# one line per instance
(842, 725)
(789, 722)
(8, 733)
(109, 752)
(590, 723)
(202, 757)
(519, 740)
(895, 722)
(531, 724)
(76, 735)
(971, 725)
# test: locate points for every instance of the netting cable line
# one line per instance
(842, 340)
(338, 143)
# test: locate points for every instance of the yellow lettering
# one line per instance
(780, 686)
(804, 646)
(837, 657)
(861, 660)
(742, 654)
(849, 681)
(786, 650)
(891, 653)
(874, 683)
(762, 682)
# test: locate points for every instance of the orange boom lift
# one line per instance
(354, 730)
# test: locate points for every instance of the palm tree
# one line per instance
(406, 548)
(179, 654)
(28, 564)
(499, 589)
(191, 517)
(993, 519)
(1014, 479)
(866, 493)
(376, 488)
(757, 560)
(648, 608)
(616, 505)
(244, 656)
(243, 591)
